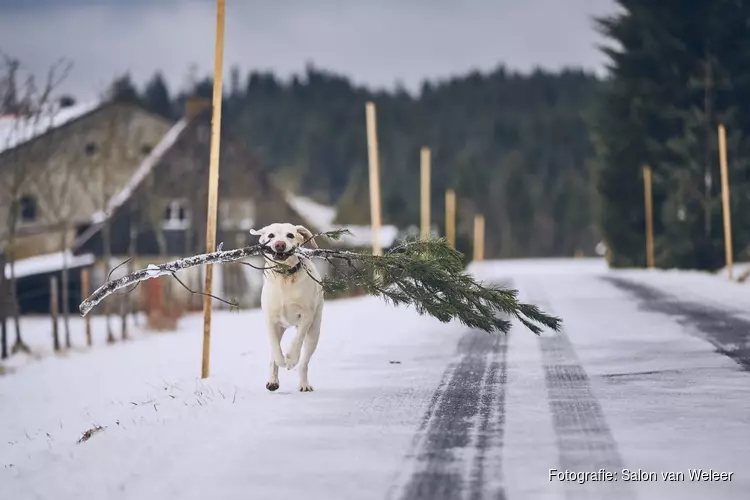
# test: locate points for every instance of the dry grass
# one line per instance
(87, 435)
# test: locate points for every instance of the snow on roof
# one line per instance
(322, 217)
(15, 130)
(146, 166)
(48, 263)
(319, 215)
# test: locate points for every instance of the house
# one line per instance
(151, 201)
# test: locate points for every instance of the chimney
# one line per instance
(195, 105)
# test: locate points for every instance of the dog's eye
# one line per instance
(290, 235)
(270, 236)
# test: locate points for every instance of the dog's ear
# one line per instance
(259, 232)
(307, 235)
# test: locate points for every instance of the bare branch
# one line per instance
(426, 274)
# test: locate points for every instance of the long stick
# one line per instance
(213, 182)
(649, 216)
(424, 195)
(374, 163)
(725, 199)
(450, 217)
(478, 238)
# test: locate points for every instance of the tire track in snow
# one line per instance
(729, 334)
(463, 422)
(584, 439)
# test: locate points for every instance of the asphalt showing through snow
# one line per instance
(727, 332)
(584, 439)
(465, 421)
(465, 418)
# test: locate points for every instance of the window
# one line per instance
(91, 149)
(27, 209)
(176, 215)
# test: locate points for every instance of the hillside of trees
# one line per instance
(678, 69)
(515, 147)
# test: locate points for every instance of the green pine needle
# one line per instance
(429, 275)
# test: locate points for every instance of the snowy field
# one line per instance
(651, 374)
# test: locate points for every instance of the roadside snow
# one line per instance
(168, 434)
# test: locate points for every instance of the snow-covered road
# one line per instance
(650, 374)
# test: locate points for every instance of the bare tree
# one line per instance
(32, 107)
(102, 180)
(55, 190)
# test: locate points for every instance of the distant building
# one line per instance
(116, 168)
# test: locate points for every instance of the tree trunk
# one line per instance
(708, 176)
(18, 345)
(3, 310)
(133, 253)
(107, 250)
(65, 280)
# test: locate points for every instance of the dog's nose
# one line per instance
(279, 246)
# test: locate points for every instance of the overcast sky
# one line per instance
(376, 42)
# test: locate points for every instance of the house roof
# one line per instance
(147, 166)
(16, 130)
(48, 263)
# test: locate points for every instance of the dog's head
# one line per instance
(282, 238)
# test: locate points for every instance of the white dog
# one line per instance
(291, 296)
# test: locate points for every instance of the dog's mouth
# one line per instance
(279, 256)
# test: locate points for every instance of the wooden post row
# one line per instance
(374, 167)
(213, 183)
(478, 238)
(450, 217)
(726, 211)
(649, 216)
(424, 195)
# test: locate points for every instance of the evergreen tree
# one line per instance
(122, 89)
(674, 78)
(156, 97)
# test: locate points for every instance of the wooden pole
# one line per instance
(424, 198)
(478, 238)
(649, 216)
(450, 217)
(85, 292)
(213, 183)
(374, 162)
(725, 199)
(54, 309)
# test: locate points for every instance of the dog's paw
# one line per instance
(292, 358)
(272, 386)
(305, 388)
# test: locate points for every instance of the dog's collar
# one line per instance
(291, 270)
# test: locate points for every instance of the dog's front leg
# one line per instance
(275, 333)
(295, 349)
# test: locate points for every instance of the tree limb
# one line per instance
(428, 275)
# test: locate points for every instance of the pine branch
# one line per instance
(428, 275)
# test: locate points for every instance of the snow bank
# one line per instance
(322, 217)
(168, 434)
